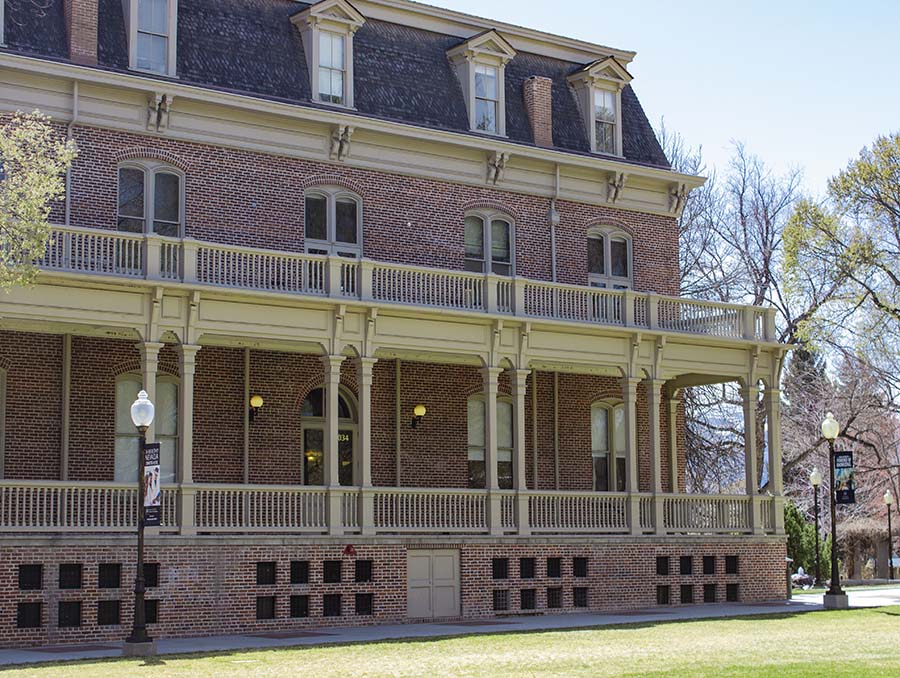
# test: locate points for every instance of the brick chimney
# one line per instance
(81, 27)
(539, 105)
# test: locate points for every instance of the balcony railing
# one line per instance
(68, 507)
(102, 252)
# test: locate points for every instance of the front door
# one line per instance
(314, 455)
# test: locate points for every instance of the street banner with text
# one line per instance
(844, 478)
(152, 491)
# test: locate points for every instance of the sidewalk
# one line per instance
(801, 603)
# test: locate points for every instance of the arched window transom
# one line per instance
(333, 222)
(151, 198)
(609, 259)
(490, 243)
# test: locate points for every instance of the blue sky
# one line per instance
(803, 84)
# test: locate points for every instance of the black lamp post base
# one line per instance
(836, 601)
(144, 649)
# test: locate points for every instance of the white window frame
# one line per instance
(487, 262)
(131, 13)
(611, 453)
(616, 121)
(504, 454)
(152, 168)
(486, 49)
(607, 75)
(332, 16)
(160, 379)
(331, 246)
(607, 280)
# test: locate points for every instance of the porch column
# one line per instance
(149, 364)
(749, 395)
(519, 385)
(674, 401)
(654, 405)
(491, 377)
(331, 461)
(776, 483)
(629, 395)
(187, 360)
(364, 367)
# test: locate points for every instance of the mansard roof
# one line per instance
(401, 73)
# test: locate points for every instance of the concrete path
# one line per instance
(800, 603)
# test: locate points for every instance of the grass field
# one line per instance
(834, 643)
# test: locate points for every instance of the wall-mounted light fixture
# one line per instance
(419, 415)
(256, 403)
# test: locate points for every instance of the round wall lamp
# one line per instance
(256, 403)
(418, 415)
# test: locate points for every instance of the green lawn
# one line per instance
(834, 643)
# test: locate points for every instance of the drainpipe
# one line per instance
(69, 129)
(553, 219)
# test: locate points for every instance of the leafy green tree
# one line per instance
(34, 159)
(801, 544)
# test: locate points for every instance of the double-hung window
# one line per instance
(333, 223)
(477, 442)
(609, 260)
(150, 199)
(608, 446)
(165, 422)
(605, 121)
(332, 69)
(487, 98)
(153, 36)
(489, 244)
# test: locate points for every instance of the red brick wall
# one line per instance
(208, 586)
(254, 199)
(538, 93)
(219, 415)
(81, 27)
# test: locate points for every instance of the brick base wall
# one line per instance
(209, 586)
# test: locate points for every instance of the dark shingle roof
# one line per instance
(401, 73)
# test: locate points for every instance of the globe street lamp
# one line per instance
(888, 499)
(835, 598)
(815, 479)
(139, 643)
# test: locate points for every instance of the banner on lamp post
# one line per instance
(844, 478)
(152, 491)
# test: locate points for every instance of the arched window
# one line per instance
(312, 415)
(609, 259)
(333, 222)
(608, 444)
(477, 442)
(490, 243)
(151, 198)
(165, 422)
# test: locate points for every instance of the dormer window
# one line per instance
(480, 64)
(598, 88)
(152, 35)
(327, 28)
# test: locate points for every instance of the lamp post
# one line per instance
(888, 502)
(815, 479)
(835, 598)
(139, 643)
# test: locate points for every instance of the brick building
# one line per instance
(351, 211)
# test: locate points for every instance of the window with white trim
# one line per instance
(331, 67)
(609, 259)
(598, 88)
(151, 199)
(333, 222)
(487, 98)
(152, 27)
(489, 243)
(608, 445)
(477, 442)
(605, 121)
(165, 422)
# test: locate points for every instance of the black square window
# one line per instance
(151, 611)
(109, 576)
(580, 567)
(663, 594)
(580, 596)
(69, 613)
(501, 600)
(731, 593)
(709, 564)
(662, 566)
(31, 577)
(265, 575)
(265, 607)
(28, 615)
(528, 599)
(554, 597)
(108, 613)
(299, 606)
(151, 575)
(331, 604)
(709, 593)
(687, 593)
(686, 565)
(526, 568)
(363, 570)
(554, 567)
(299, 572)
(500, 568)
(364, 602)
(332, 572)
(70, 576)
(731, 564)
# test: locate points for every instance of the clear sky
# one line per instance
(803, 84)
